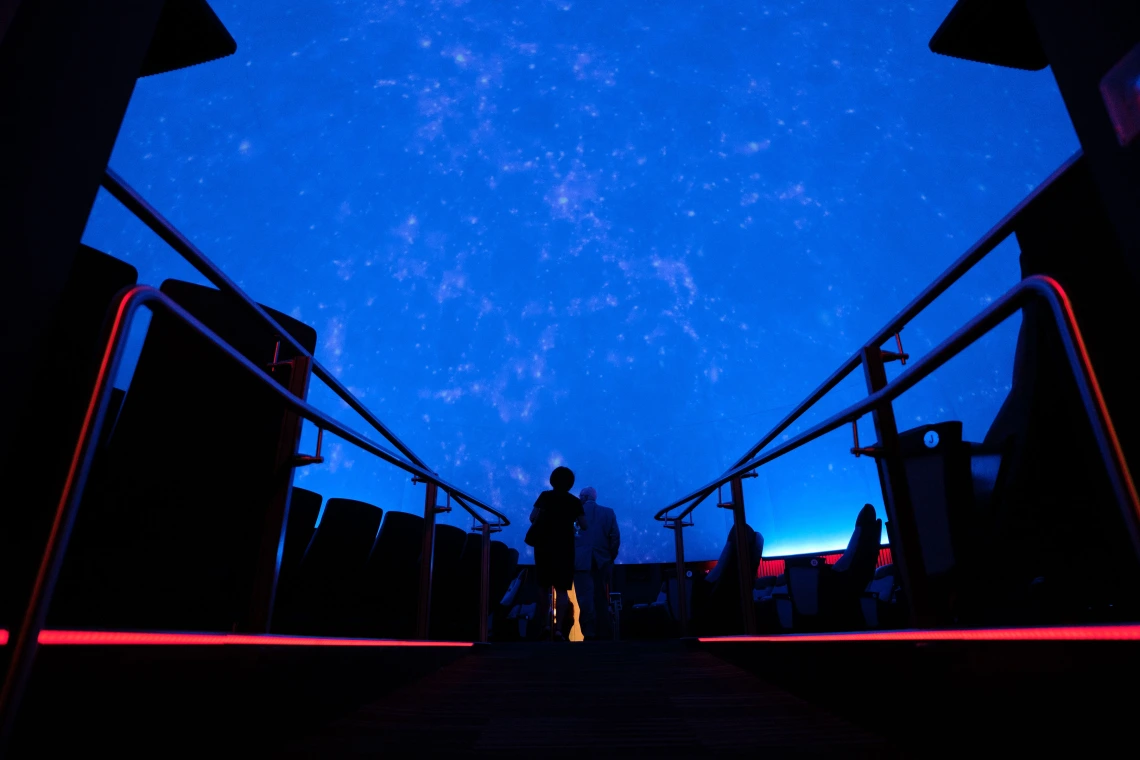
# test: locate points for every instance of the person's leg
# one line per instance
(544, 604)
(587, 611)
(565, 614)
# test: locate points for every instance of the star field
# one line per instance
(624, 237)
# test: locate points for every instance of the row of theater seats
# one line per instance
(356, 572)
(714, 599)
(989, 556)
(879, 603)
(811, 595)
(996, 544)
(190, 478)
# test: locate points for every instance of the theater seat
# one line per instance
(828, 597)
(304, 508)
(762, 588)
(715, 600)
(448, 586)
(1053, 509)
(470, 579)
(173, 524)
(504, 570)
(327, 598)
(56, 402)
(502, 564)
(879, 595)
(391, 577)
(649, 620)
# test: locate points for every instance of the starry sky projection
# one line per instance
(625, 237)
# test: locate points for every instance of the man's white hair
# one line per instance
(588, 494)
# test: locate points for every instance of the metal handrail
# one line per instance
(963, 264)
(148, 215)
(1088, 387)
(26, 640)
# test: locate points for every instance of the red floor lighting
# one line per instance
(130, 638)
(1058, 633)
(3, 637)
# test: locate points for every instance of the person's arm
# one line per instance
(581, 519)
(534, 513)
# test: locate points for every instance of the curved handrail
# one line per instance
(141, 295)
(148, 215)
(963, 264)
(1088, 387)
(60, 535)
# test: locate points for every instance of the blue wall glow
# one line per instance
(627, 237)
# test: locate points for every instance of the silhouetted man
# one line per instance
(595, 550)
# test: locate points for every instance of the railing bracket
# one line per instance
(276, 360)
(857, 450)
(301, 460)
(895, 356)
(720, 502)
(446, 508)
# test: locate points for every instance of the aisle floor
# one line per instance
(656, 699)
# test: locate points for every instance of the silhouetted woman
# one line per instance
(553, 516)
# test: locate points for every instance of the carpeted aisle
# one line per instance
(655, 699)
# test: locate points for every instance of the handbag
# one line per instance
(534, 533)
(512, 591)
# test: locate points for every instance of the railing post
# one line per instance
(423, 617)
(260, 615)
(906, 546)
(25, 643)
(678, 526)
(485, 581)
(743, 557)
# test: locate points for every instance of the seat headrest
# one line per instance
(867, 529)
(351, 517)
(844, 562)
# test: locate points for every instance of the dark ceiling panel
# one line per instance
(991, 31)
(189, 33)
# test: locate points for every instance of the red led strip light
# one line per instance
(130, 638)
(1059, 633)
(127, 638)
